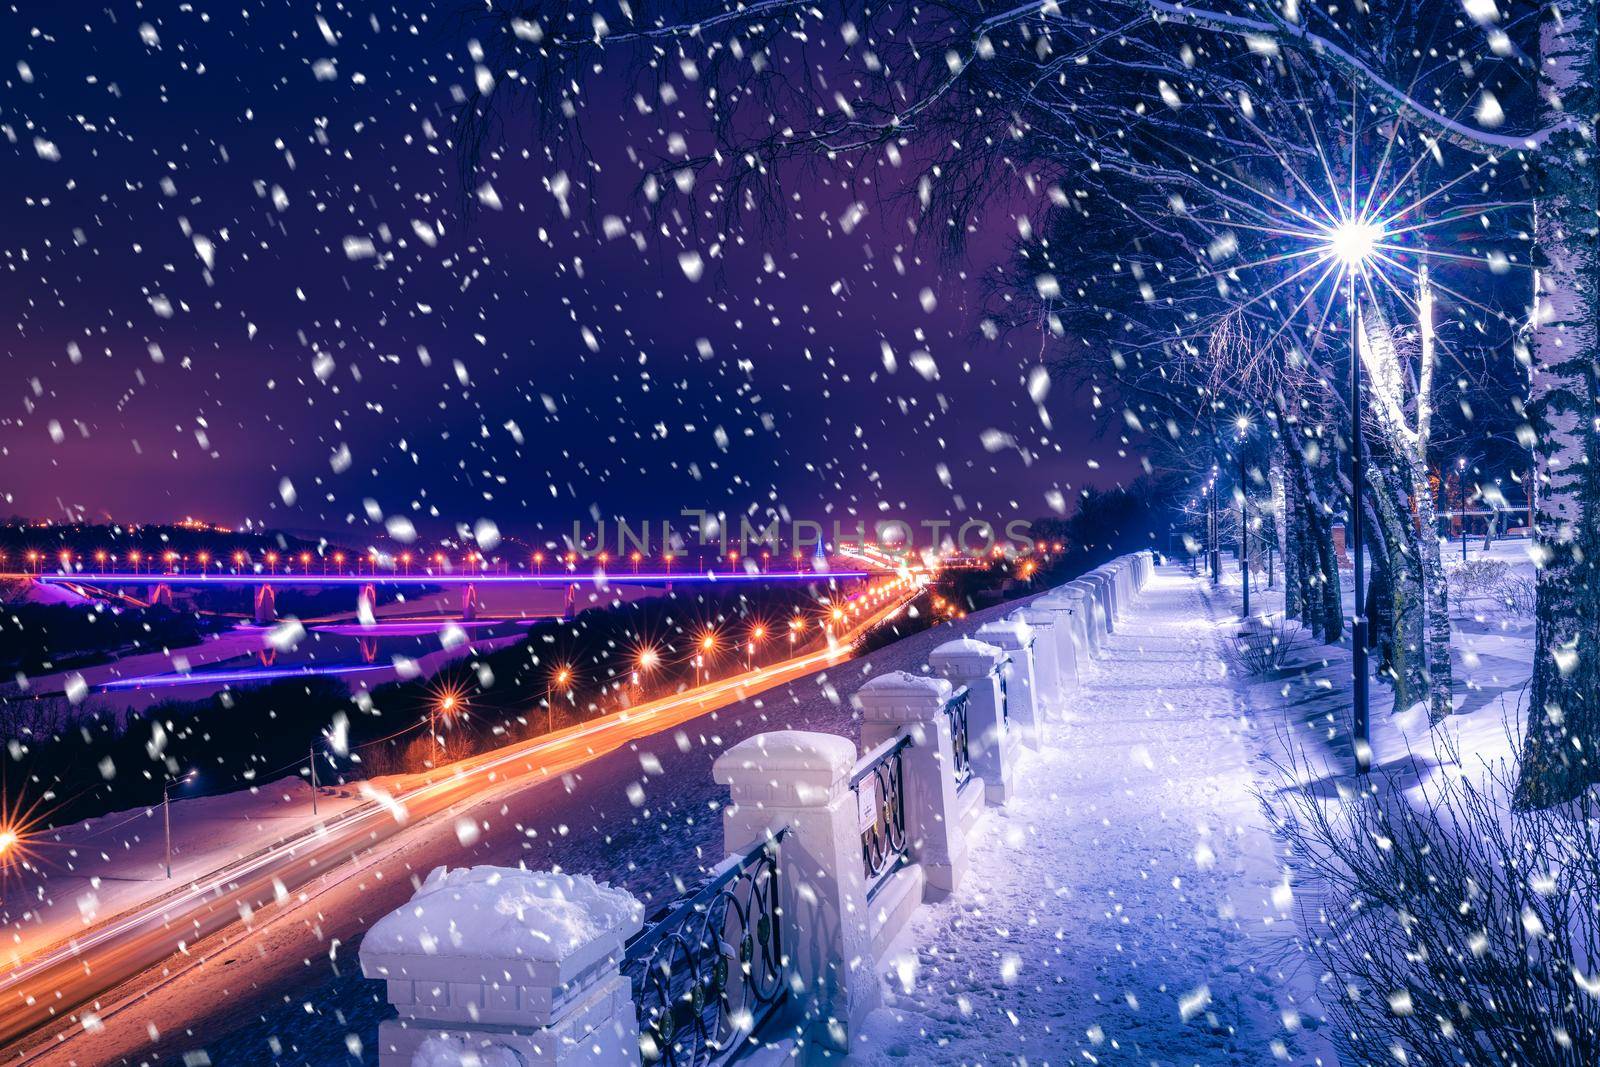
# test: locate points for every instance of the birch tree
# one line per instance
(1563, 729)
(1394, 392)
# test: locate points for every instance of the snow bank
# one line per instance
(504, 913)
(442, 1050)
(907, 682)
(32, 592)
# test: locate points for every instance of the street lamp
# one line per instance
(1353, 242)
(166, 811)
(1242, 425)
(643, 664)
(708, 645)
(561, 676)
(448, 704)
(1461, 501)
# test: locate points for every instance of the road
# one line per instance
(187, 579)
(39, 1000)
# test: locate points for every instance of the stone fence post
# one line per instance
(1121, 595)
(1071, 634)
(502, 965)
(1096, 619)
(901, 701)
(800, 779)
(990, 742)
(1050, 698)
(1106, 592)
(1016, 638)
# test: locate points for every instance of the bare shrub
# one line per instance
(384, 758)
(427, 752)
(1518, 595)
(1476, 578)
(1456, 930)
(1262, 643)
(33, 718)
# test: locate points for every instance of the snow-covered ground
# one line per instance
(1129, 904)
(98, 868)
(1492, 661)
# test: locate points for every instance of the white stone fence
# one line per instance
(779, 951)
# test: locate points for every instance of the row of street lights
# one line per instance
(450, 703)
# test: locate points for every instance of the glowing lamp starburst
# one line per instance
(1353, 242)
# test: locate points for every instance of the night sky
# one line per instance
(238, 251)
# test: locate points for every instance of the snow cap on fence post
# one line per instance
(900, 700)
(994, 749)
(800, 779)
(506, 965)
(1016, 639)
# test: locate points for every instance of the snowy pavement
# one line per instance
(1128, 905)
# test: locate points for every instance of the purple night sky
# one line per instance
(236, 248)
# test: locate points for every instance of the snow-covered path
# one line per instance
(1127, 906)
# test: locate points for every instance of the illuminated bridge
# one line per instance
(161, 585)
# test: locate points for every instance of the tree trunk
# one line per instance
(1281, 523)
(1406, 504)
(1563, 725)
(1435, 599)
(1408, 663)
(1324, 607)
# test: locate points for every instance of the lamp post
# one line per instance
(1242, 424)
(1353, 242)
(312, 760)
(166, 812)
(448, 704)
(560, 676)
(708, 645)
(1461, 501)
(643, 664)
(1244, 539)
(1215, 535)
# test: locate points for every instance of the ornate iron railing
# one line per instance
(879, 787)
(956, 708)
(709, 970)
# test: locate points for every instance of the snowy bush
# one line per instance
(1494, 581)
(1518, 595)
(1453, 930)
(1262, 643)
(1476, 578)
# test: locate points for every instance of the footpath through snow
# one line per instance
(1129, 905)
